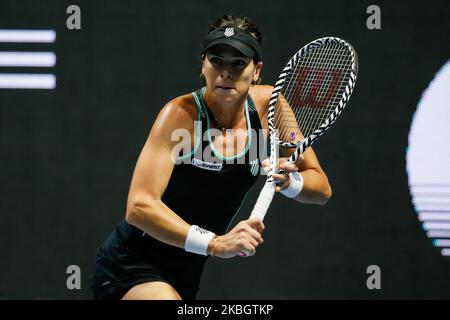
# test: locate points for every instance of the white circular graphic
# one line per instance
(428, 160)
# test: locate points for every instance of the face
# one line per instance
(228, 73)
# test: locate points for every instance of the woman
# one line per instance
(180, 204)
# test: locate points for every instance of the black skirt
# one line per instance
(128, 258)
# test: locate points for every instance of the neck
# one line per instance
(226, 113)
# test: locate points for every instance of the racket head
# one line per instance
(312, 91)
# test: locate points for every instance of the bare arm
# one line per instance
(145, 210)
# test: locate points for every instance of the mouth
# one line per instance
(225, 87)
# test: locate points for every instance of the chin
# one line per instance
(231, 93)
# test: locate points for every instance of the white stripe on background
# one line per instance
(423, 216)
(431, 196)
(27, 81)
(431, 200)
(436, 226)
(417, 189)
(438, 234)
(443, 202)
(445, 252)
(27, 59)
(441, 243)
(431, 207)
(42, 36)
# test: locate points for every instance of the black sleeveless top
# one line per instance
(205, 189)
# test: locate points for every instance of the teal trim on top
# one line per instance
(198, 129)
(249, 133)
(237, 211)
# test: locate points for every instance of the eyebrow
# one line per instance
(239, 55)
(219, 53)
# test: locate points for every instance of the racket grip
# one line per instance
(263, 202)
(262, 205)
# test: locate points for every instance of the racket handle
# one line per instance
(263, 202)
(261, 206)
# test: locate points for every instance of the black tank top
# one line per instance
(205, 189)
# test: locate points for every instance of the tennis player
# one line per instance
(180, 205)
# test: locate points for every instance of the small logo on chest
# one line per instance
(207, 165)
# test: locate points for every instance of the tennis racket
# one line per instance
(308, 97)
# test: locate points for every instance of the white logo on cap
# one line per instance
(229, 32)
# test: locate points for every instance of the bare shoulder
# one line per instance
(261, 92)
(179, 113)
(261, 95)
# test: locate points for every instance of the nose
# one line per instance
(226, 74)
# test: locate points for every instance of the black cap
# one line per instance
(238, 38)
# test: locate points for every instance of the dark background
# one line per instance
(67, 155)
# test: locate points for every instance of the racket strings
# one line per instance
(319, 83)
(320, 61)
(312, 91)
(292, 87)
(285, 119)
(327, 87)
(344, 63)
(289, 130)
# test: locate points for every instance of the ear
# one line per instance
(257, 71)
(202, 57)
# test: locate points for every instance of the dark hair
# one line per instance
(229, 20)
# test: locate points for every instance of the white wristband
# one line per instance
(197, 240)
(295, 185)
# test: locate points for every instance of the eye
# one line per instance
(240, 63)
(215, 60)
